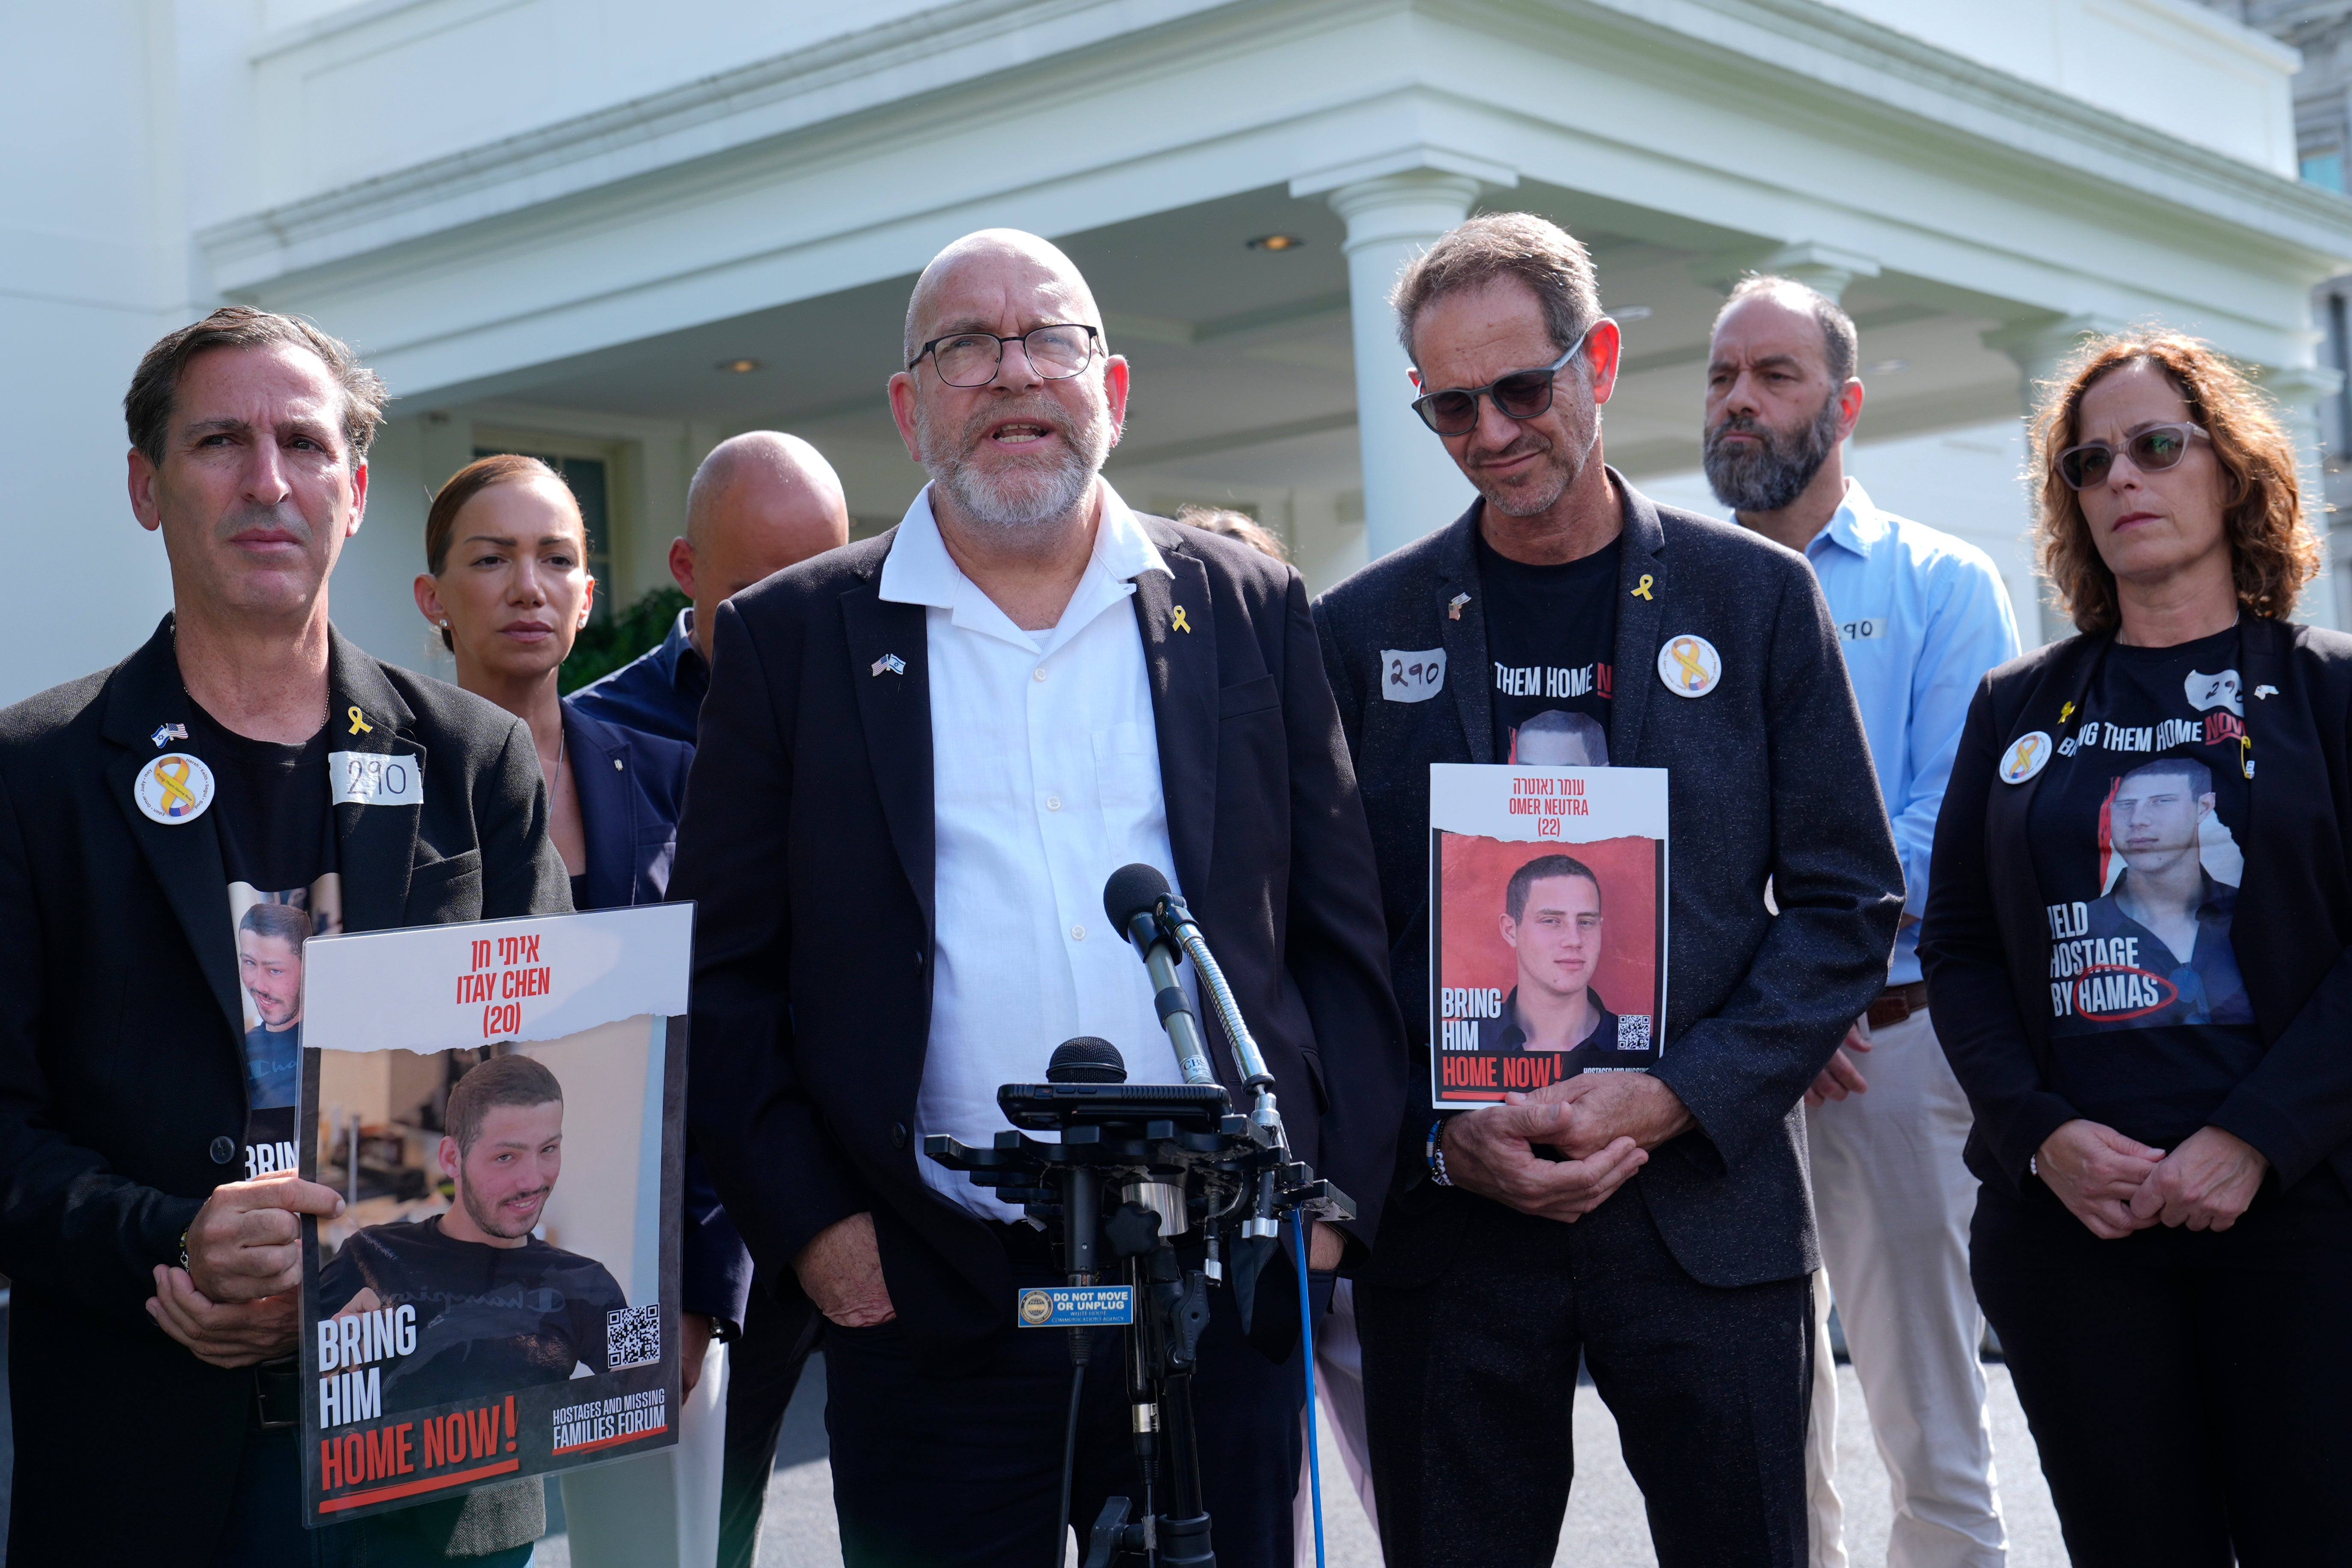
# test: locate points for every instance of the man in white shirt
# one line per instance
(936, 745)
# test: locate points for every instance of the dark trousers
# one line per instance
(965, 1471)
(763, 1367)
(2188, 1390)
(1470, 1384)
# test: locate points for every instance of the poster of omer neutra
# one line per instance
(1548, 926)
(501, 1105)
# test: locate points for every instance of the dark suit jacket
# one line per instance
(632, 788)
(1985, 940)
(808, 846)
(121, 1065)
(1770, 778)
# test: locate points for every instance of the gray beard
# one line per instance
(1022, 498)
(1776, 472)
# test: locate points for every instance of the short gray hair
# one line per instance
(1538, 252)
(1840, 344)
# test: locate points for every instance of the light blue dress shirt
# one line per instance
(1921, 616)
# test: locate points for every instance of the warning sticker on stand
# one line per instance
(1075, 1307)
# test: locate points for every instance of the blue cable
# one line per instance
(1307, 1332)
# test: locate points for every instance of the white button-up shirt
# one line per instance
(1044, 779)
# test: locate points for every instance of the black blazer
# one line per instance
(632, 788)
(1984, 942)
(117, 966)
(808, 846)
(1772, 777)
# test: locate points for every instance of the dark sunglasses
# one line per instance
(2151, 451)
(1522, 394)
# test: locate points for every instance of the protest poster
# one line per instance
(501, 1105)
(1548, 926)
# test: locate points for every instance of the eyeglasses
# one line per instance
(2151, 451)
(1057, 352)
(1522, 394)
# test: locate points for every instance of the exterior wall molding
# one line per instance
(853, 85)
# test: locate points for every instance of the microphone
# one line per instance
(1134, 898)
(1147, 911)
(1086, 1060)
(1132, 894)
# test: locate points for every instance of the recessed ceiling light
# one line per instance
(742, 366)
(1887, 367)
(1277, 242)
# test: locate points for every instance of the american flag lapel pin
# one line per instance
(892, 663)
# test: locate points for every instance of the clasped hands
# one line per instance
(2115, 1185)
(235, 1302)
(1605, 1122)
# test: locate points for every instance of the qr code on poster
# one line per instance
(1633, 1032)
(632, 1336)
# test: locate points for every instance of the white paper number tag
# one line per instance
(373, 779)
(1411, 677)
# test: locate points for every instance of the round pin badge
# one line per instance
(2026, 756)
(173, 788)
(1689, 666)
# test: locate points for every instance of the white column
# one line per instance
(1411, 486)
(2038, 348)
(2297, 391)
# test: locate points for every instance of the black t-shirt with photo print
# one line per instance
(490, 1320)
(2137, 828)
(1552, 631)
(276, 827)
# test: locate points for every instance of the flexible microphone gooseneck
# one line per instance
(1132, 898)
(1143, 905)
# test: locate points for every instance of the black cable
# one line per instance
(1069, 1465)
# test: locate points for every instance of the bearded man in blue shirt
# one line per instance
(1921, 616)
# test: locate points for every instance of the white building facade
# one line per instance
(615, 231)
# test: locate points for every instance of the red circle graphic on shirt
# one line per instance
(2164, 990)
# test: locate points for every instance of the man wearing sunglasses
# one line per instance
(1921, 616)
(1654, 1224)
(920, 756)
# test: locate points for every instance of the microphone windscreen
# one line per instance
(1132, 890)
(1086, 1060)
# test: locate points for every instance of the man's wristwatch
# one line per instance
(1437, 1152)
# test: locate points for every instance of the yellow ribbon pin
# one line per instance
(1178, 622)
(1642, 589)
(2066, 711)
(358, 722)
(178, 798)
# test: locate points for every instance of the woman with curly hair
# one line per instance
(2135, 947)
